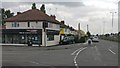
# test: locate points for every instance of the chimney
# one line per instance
(18, 13)
(62, 22)
(53, 16)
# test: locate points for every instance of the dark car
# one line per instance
(67, 40)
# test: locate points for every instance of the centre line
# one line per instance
(76, 51)
(75, 61)
(34, 62)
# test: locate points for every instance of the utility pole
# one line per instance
(87, 27)
(50, 11)
(112, 18)
(79, 26)
(79, 30)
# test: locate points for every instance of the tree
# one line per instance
(42, 8)
(8, 14)
(5, 14)
(33, 6)
(89, 34)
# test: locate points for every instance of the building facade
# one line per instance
(66, 30)
(29, 25)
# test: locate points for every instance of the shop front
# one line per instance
(21, 36)
(53, 37)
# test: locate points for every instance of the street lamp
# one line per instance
(112, 18)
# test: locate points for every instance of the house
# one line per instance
(66, 30)
(33, 25)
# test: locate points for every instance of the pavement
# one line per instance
(103, 53)
(54, 47)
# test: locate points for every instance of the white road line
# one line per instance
(34, 62)
(75, 61)
(76, 51)
(112, 51)
(80, 51)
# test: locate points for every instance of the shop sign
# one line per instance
(53, 32)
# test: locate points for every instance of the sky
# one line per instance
(95, 13)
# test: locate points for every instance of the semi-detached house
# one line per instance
(66, 30)
(30, 25)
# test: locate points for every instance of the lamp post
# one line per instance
(112, 18)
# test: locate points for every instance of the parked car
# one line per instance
(95, 39)
(67, 40)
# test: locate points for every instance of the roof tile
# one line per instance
(31, 15)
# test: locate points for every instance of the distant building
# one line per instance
(29, 25)
(66, 30)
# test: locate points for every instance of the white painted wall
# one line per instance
(24, 25)
(56, 37)
(53, 26)
(54, 42)
(38, 25)
(33, 25)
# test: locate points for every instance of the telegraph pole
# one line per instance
(79, 30)
(87, 27)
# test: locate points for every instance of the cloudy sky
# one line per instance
(95, 13)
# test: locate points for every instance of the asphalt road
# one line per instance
(103, 53)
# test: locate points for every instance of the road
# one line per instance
(103, 53)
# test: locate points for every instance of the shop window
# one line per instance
(32, 38)
(50, 37)
(23, 37)
(36, 38)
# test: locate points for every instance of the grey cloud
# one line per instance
(67, 4)
(11, 4)
(70, 4)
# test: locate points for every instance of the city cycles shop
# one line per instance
(21, 36)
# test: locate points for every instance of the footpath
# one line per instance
(55, 47)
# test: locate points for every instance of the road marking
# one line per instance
(34, 62)
(79, 50)
(112, 51)
(75, 51)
